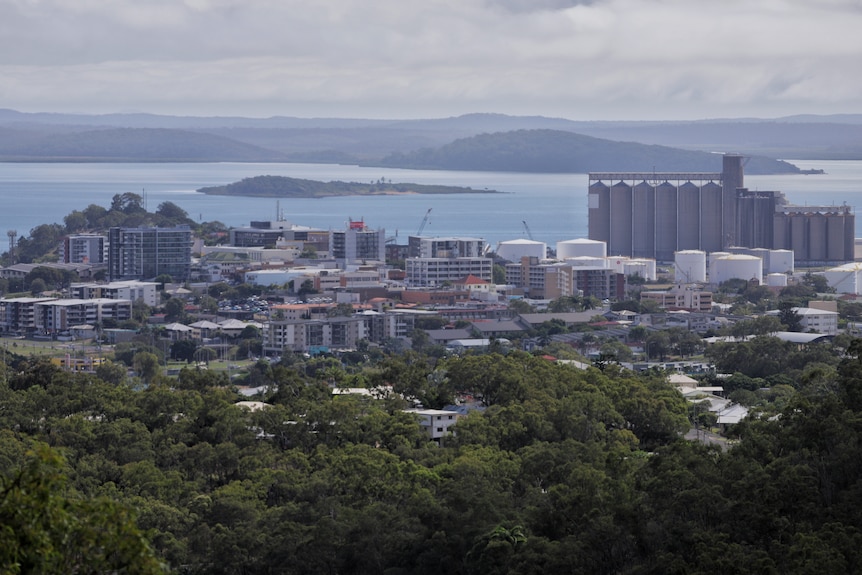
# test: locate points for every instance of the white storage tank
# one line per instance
(649, 266)
(636, 268)
(581, 247)
(736, 266)
(689, 266)
(780, 262)
(846, 278)
(514, 250)
(587, 262)
(776, 280)
(714, 256)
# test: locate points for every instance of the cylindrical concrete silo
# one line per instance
(835, 237)
(776, 280)
(736, 267)
(817, 237)
(781, 230)
(643, 225)
(689, 266)
(688, 217)
(621, 219)
(599, 212)
(514, 250)
(581, 247)
(710, 217)
(665, 221)
(799, 236)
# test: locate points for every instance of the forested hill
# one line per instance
(282, 186)
(128, 145)
(555, 151)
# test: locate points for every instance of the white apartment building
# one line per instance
(131, 290)
(431, 272)
(447, 247)
(84, 249)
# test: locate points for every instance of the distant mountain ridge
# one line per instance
(414, 142)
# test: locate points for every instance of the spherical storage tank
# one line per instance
(736, 267)
(689, 266)
(581, 247)
(776, 280)
(514, 250)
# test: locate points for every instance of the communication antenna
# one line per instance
(12, 235)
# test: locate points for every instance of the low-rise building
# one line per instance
(689, 297)
(131, 290)
(433, 272)
(436, 423)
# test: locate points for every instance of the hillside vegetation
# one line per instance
(546, 151)
(565, 471)
(282, 186)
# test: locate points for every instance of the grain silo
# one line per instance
(736, 266)
(799, 235)
(710, 217)
(835, 237)
(514, 250)
(665, 221)
(599, 212)
(621, 219)
(688, 217)
(643, 223)
(689, 266)
(581, 247)
(817, 237)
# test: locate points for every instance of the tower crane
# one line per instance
(424, 221)
(527, 228)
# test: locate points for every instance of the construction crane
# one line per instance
(527, 228)
(424, 221)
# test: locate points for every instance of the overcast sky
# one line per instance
(577, 59)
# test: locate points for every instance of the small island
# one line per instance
(285, 187)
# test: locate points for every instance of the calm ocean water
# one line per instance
(553, 205)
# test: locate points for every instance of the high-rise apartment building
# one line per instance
(145, 253)
(84, 249)
(358, 243)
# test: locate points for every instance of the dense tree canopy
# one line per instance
(563, 471)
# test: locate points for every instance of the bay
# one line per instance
(554, 206)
